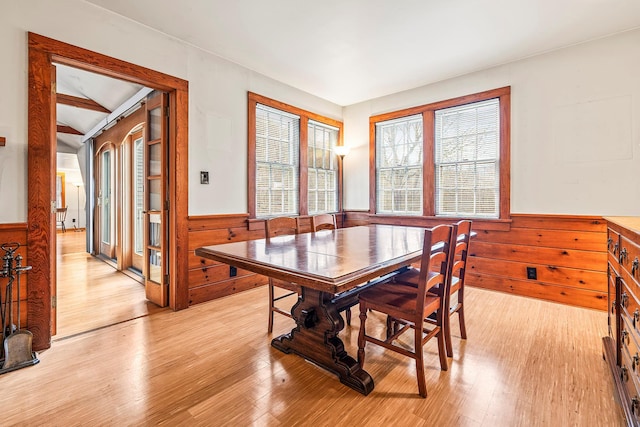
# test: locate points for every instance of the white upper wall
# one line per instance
(575, 128)
(217, 97)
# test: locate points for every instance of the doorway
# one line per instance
(41, 232)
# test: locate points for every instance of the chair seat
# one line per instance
(397, 298)
(410, 277)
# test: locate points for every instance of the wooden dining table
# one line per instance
(325, 264)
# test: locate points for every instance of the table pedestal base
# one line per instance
(316, 339)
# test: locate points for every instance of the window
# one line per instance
(399, 165)
(277, 167)
(467, 158)
(293, 169)
(446, 159)
(323, 168)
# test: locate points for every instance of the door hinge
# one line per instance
(54, 301)
(53, 206)
(166, 279)
(166, 205)
(166, 111)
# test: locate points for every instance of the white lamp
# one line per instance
(341, 151)
(78, 184)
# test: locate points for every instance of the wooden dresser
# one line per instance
(622, 345)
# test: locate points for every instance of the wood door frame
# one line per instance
(41, 244)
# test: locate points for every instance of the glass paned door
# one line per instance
(137, 258)
(156, 201)
(105, 206)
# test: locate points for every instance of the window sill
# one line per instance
(430, 221)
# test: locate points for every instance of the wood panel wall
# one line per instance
(210, 279)
(10, 233)
(568, 254)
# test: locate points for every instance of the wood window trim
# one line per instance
(303, 179)
(428, 114)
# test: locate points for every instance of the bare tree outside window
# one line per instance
(399, 173)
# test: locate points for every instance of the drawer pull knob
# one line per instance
(635, 403)
(635, 362)
(625, 336)
(624, 374)
(624, 255)
(624, 300)
(636, 317)
(634, 266)
(615, 248)
(609, 243)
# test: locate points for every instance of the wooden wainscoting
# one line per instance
(567, 252)
(209, 279)
(10, 233)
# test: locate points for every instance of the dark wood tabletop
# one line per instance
(330, 260)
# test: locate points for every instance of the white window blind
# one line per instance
(467, 174)
(277, 162)
(322, 168)
(399, 145)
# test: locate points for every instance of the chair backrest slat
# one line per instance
(462, 248)
(281, 226)
(323, 222)
(437, 255)
(61, 214)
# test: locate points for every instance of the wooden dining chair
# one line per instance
(409, 306)
(456, 277)
(61, 216)
(323, 222)
(280, 226)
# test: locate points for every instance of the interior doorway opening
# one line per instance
(41, 231)
(111, 158)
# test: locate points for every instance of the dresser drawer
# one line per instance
(612, 277)
(630, 381)
(630, 307)
(613, 245)
(630, 339)
(630, 257)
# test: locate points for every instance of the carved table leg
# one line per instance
(316, 339)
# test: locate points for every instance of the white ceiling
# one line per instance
(347, 51)
(106, 91)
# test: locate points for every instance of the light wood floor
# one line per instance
(526, 363)
(92, 294)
